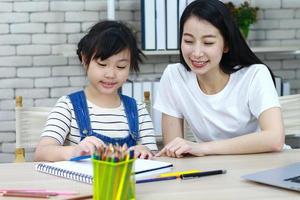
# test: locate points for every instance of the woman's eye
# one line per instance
(208, 43)
(121, 67)
(188, 41)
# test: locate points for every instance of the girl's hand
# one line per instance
(87, 146)
(179, 147)
(141, 151)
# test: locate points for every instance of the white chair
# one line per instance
(290, 106)
(30, 122)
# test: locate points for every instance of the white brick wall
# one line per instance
(279, 14)
(14, 17)
(31, 6)
(32, 93)
(47, 17)
(6, 7)
(15, 39)
(66, 5)
(38, 41)
(6, 51)
(63, 28)
(7, 72)
(33, 50)
(49, 38)
(15, 61)
(6, 94)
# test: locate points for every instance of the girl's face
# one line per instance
(107, 76)
(202, 46)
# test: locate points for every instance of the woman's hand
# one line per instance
(179, 147)
(87, 146)
(141, 151)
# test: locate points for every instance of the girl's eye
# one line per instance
(121, 67)
(101, 64)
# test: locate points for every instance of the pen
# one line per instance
(156, 179)
(43, 191)
(27, 195)
(78, 158)
(200, 174)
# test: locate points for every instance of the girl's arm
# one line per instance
(270, 138)
(49, 149)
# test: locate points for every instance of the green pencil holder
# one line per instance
(113, 181)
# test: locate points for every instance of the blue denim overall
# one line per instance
(78, 99)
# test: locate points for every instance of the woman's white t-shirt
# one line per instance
(232, 112)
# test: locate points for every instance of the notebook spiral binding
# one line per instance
(65, 173)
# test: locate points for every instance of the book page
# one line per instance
(141, 167)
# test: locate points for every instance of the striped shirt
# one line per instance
(111, 122)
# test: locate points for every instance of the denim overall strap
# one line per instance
(80, 107)
(132, 115)
(81, 111)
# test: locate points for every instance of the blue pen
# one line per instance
(156, 179)
(78, 158)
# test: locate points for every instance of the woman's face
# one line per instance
(202, 46)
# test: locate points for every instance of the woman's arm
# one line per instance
(172, 128)
(270, 138)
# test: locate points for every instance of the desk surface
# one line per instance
(226, 186)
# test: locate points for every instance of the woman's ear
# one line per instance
(226, 48)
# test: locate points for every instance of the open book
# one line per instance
(83, 170)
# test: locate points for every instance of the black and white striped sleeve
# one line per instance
(59, 121)
(147, 136)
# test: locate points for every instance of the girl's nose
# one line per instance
(110, 72)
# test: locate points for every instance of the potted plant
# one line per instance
(245, 15)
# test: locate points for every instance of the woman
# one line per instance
(223, 91)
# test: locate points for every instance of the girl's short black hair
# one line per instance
(216, 13)
(107, 38)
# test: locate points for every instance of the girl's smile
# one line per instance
(108, 85)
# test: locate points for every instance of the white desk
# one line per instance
(226, 186)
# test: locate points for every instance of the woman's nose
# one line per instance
(198, 51)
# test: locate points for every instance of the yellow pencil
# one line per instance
(179, 173)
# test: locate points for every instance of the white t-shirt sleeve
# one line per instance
(165, 100)
(262, 92)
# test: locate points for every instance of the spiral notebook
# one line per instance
(83, 170)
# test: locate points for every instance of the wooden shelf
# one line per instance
(277, 49)
(262, 49)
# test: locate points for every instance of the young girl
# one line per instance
(86, 120)
(223, 91)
